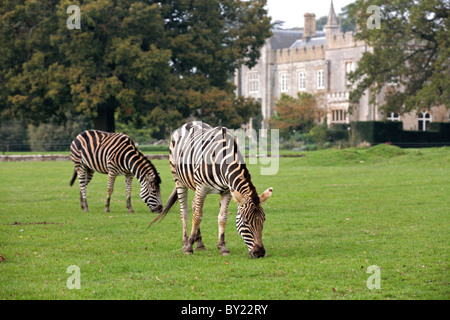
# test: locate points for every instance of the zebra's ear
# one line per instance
(238, 197)
(149, 179)
(266, 195)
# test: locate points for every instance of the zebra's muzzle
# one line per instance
(158, 209)
(257, 252)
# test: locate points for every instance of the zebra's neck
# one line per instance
(140, 166)
(239, 179)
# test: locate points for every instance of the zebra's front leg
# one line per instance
(222, 221)
(129, 180)
(182, 193)
(111, 179)
(198, 237)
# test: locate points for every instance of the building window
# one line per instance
(349, 67)
(338, 115)
(301, 80)
(393, 116)
(393, 81)
(320, 79)
(253, 82)
(283, 82)
(424, 120)
(319, 117)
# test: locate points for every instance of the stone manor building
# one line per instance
(318, 62)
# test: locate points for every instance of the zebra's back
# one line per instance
(95, 149)
(203, 155)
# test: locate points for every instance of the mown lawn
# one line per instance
(333, 214)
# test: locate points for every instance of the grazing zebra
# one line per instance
(207, 160)
(114, 154)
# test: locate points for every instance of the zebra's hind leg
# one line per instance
(83, 202)
(222, 221)
(111, 179)
(198, 236)
(129, 179)
(197, 216)
(84, 176)
(182, 193)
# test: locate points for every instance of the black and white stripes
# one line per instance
(114, 154)
(207, 160)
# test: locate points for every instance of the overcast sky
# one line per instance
(292, 11)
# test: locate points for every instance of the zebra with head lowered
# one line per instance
(114, 154)
(207, 160)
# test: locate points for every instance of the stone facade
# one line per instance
(317, 62)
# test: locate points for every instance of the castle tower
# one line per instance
(332, 26)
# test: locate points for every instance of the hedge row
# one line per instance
(376, 132)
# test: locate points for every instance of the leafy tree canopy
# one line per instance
(411, 47)
(295, 113)
(152, 63)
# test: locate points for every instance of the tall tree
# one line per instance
(411, 47)
(24, 33)
(111, 62)
(145, 62)
(209, 40)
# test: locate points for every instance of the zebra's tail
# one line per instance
(172, 199)
(73, 177)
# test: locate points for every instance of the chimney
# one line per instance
(309, 30)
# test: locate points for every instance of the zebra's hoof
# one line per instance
(187, 250)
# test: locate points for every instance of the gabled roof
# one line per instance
(284, 38)
(316, 41)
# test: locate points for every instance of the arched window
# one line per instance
(424, 120)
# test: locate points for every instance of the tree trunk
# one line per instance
(105, 119)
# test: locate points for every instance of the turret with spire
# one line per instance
(332, 26)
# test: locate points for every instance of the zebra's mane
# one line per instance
(253, 194)
(243, 184)
(148, 165)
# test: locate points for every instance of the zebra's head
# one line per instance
(151, 193)
(250, 219)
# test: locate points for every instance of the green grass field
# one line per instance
(333, 214)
